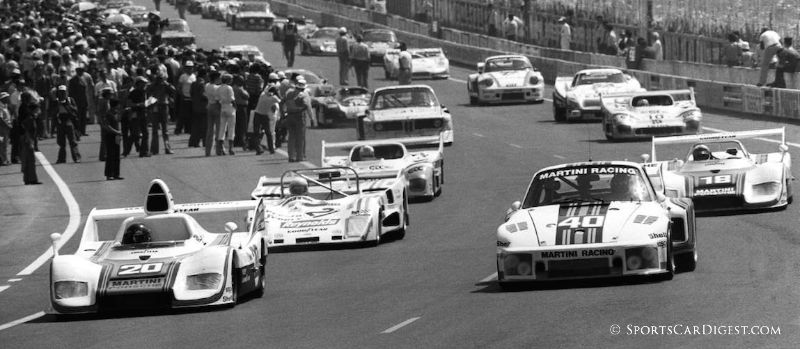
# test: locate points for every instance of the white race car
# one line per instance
(505, 79)
(426, 63)
(579, 96)
(246, 51)
(594, 219)
(331, 205)
(718, 173)
(160, 256)
(405, 111)
(423, 170)
(647, 114)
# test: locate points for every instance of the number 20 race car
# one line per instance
(651, 113)
(160, 257)
(719, 174)
(593, 219)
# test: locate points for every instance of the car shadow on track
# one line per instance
(494, 287)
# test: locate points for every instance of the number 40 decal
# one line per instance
(583, 222)
(721, 179)
(130, 269)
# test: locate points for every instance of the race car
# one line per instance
(594, 220)
(719, 174)
(159, 256)
(305, 26)
(196, 6)
(177, 33)
(423, 170)
(321, 42)
(245, 51)
(426, 63)
(405, 111)
(208, 9)
(578, 97)
(316, 85)
(348, 103)
(504, 79)
(379, 41)
(646, 114)
(333, 205)
(251, 15)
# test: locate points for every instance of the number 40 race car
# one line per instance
(160, 257)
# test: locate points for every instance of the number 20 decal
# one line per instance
(583, 222)
(721, 179)
(131, 269)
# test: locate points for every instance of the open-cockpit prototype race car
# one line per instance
(423, 170)
(718, 173)
(594, 219)
(160, 257)
(331, 205)
(630, 115)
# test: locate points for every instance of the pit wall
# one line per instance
(715, 86)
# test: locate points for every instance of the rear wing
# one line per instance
(426, 50)
(715, 137)
(407, 141)
(96, 215)
(271, 187)
(611, 100)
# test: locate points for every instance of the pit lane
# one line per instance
(438, 274)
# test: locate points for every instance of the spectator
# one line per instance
(565, 38)
(658, 49)
(359, 56)
(343, 51)
(109, 122)
(769, 42)
(5, 128)
(213, 113)
(161, 92)
(241, 100)
(182, 5)
(265, 117)
(512, 26)
(139, 133)
(732, 54)
(199, 115)
(28, 112)
(67, 115)
(289, 41)
(405, 61)
(296, 107)
(227, 114)
(611, 41)
(789, 58)
(184, 99)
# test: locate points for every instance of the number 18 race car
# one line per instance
(718, 173)
(423, 170)
(332, 205)
(160, 257)
(647, 114)
(593, 219)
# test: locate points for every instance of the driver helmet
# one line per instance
(642, 103)
(136, 234)
(366, 152)
(620, 183)
(298, 186)
(701, 153)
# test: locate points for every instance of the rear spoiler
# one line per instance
(716, 136)
(90, 228)
(689, 91)
(406, 141)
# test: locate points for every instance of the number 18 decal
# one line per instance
(583, 222)
(131, 269)
(721, 179)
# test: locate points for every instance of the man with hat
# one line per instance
(184, 100)
(343, 51)
(5, 127)
(359, 57)
(565, 39)
(138, 119)
(162, 91)
(66, 117)
(289, 41)
(297, 106)
(78, 90)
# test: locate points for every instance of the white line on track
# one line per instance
(478, 135)
(21, 321)
(457, 80)
(400, 325)
(74, 215)
(515, 146)
(558, 156)
(490, 277)
(796, 145)
(14, 280)
(4, 287)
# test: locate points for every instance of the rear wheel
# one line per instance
(608, 131)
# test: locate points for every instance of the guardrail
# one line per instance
(468, 48)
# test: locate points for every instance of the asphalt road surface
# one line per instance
(433, 289)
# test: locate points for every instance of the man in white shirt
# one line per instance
(565, 39)
(658, 49)
(184, 97)
(405, 62)
(770, 42)
(512, 26)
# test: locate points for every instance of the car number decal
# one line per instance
(580, 224)
(147, 268)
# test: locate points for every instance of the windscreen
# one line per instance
(601, 183)
(254, 7)
(177, 26)
(378, 36)
(404, 98)
(596, 78)
(503, 64)
(325, 34)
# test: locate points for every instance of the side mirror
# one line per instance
(324, 81)
(480, 68)
(444, 109)
(230, 227)
(645, 158)
(783, 148)
(628, 77)
(514, 207)
(55, 238)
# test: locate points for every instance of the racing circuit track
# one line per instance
(435, 288)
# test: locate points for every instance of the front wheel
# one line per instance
(473, 100)
(234, 288)
(233, 25)
(670, 260)
(360, 129)
(559, 113)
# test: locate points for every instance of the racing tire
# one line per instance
(321, 122)
(607, 130)
(789, 196)
(559, 113)
(262, 282)
(379, 231)
(235, 287)
(670, 261)
(687, 262)
(473, 100)
(360, 129)
(304, 51)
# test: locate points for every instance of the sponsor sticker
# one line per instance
(309, 223)
(136, 284)
(715, 191)
(587, 170)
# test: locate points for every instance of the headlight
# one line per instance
(487, 82)
(205, 281)
(357, 226)
(71, 289)
(767, 188)
(437, 123)
(533, 80)
(641, 258)
(621, 117)
(441, 61)
(518, 264)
